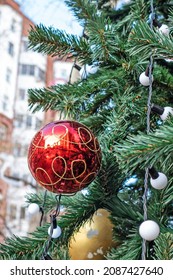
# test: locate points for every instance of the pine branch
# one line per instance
(168, 196)
(146, 150)
(132, 215)
(105, 41)
(163, 80)
(144, 41)
(23, 248)
(95, 122)
(122, 252)
(70, 99)
(48, 40)
(83, 10)
(130, 13)
(164, 247)
(56, 98)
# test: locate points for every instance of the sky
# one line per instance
(51, 13)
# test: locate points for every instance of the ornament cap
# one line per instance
(54, 222)
(148, 70)
(156, 23)
(46, 257)
(77, 67)
(153, 173)
(85, 36)
(157, 109)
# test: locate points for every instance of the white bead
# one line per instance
(83, 72)
(159, 183)
(92, 69)
(144, 80)
(33, 208)
(167, 111)
(169, 60)
(56, 232)
(149, 230)
(87, 70)
(164, 29)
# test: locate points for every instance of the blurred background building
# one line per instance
(20, 70)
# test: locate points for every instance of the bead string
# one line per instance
(53, 215)
(145, 194)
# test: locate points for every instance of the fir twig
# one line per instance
(142, 40)
(48, 40)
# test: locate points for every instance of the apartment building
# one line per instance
(20, 70)
(10, 36)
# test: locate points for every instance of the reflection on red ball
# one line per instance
(64, 157)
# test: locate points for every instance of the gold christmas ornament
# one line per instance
(93, 239)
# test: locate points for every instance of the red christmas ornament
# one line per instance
(64, 157)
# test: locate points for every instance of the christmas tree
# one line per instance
(124, 96)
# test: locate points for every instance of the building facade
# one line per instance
(10, 36)
(21, 69)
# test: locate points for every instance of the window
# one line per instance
(5, 102)
(63, 73)
(11, 48)
(18, 120)
(38, 124)
(31, 70)
(1, 195)
(13, 209)
(20, 150)
(17, 150)
(41, 74)
(8, 75)
(13, 25)
(28, 121)
(3, 131)
(24, 46)
(25, 69)
(22, 94)
(22, 213)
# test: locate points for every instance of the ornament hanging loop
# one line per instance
(42, 208)
(54, 213)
